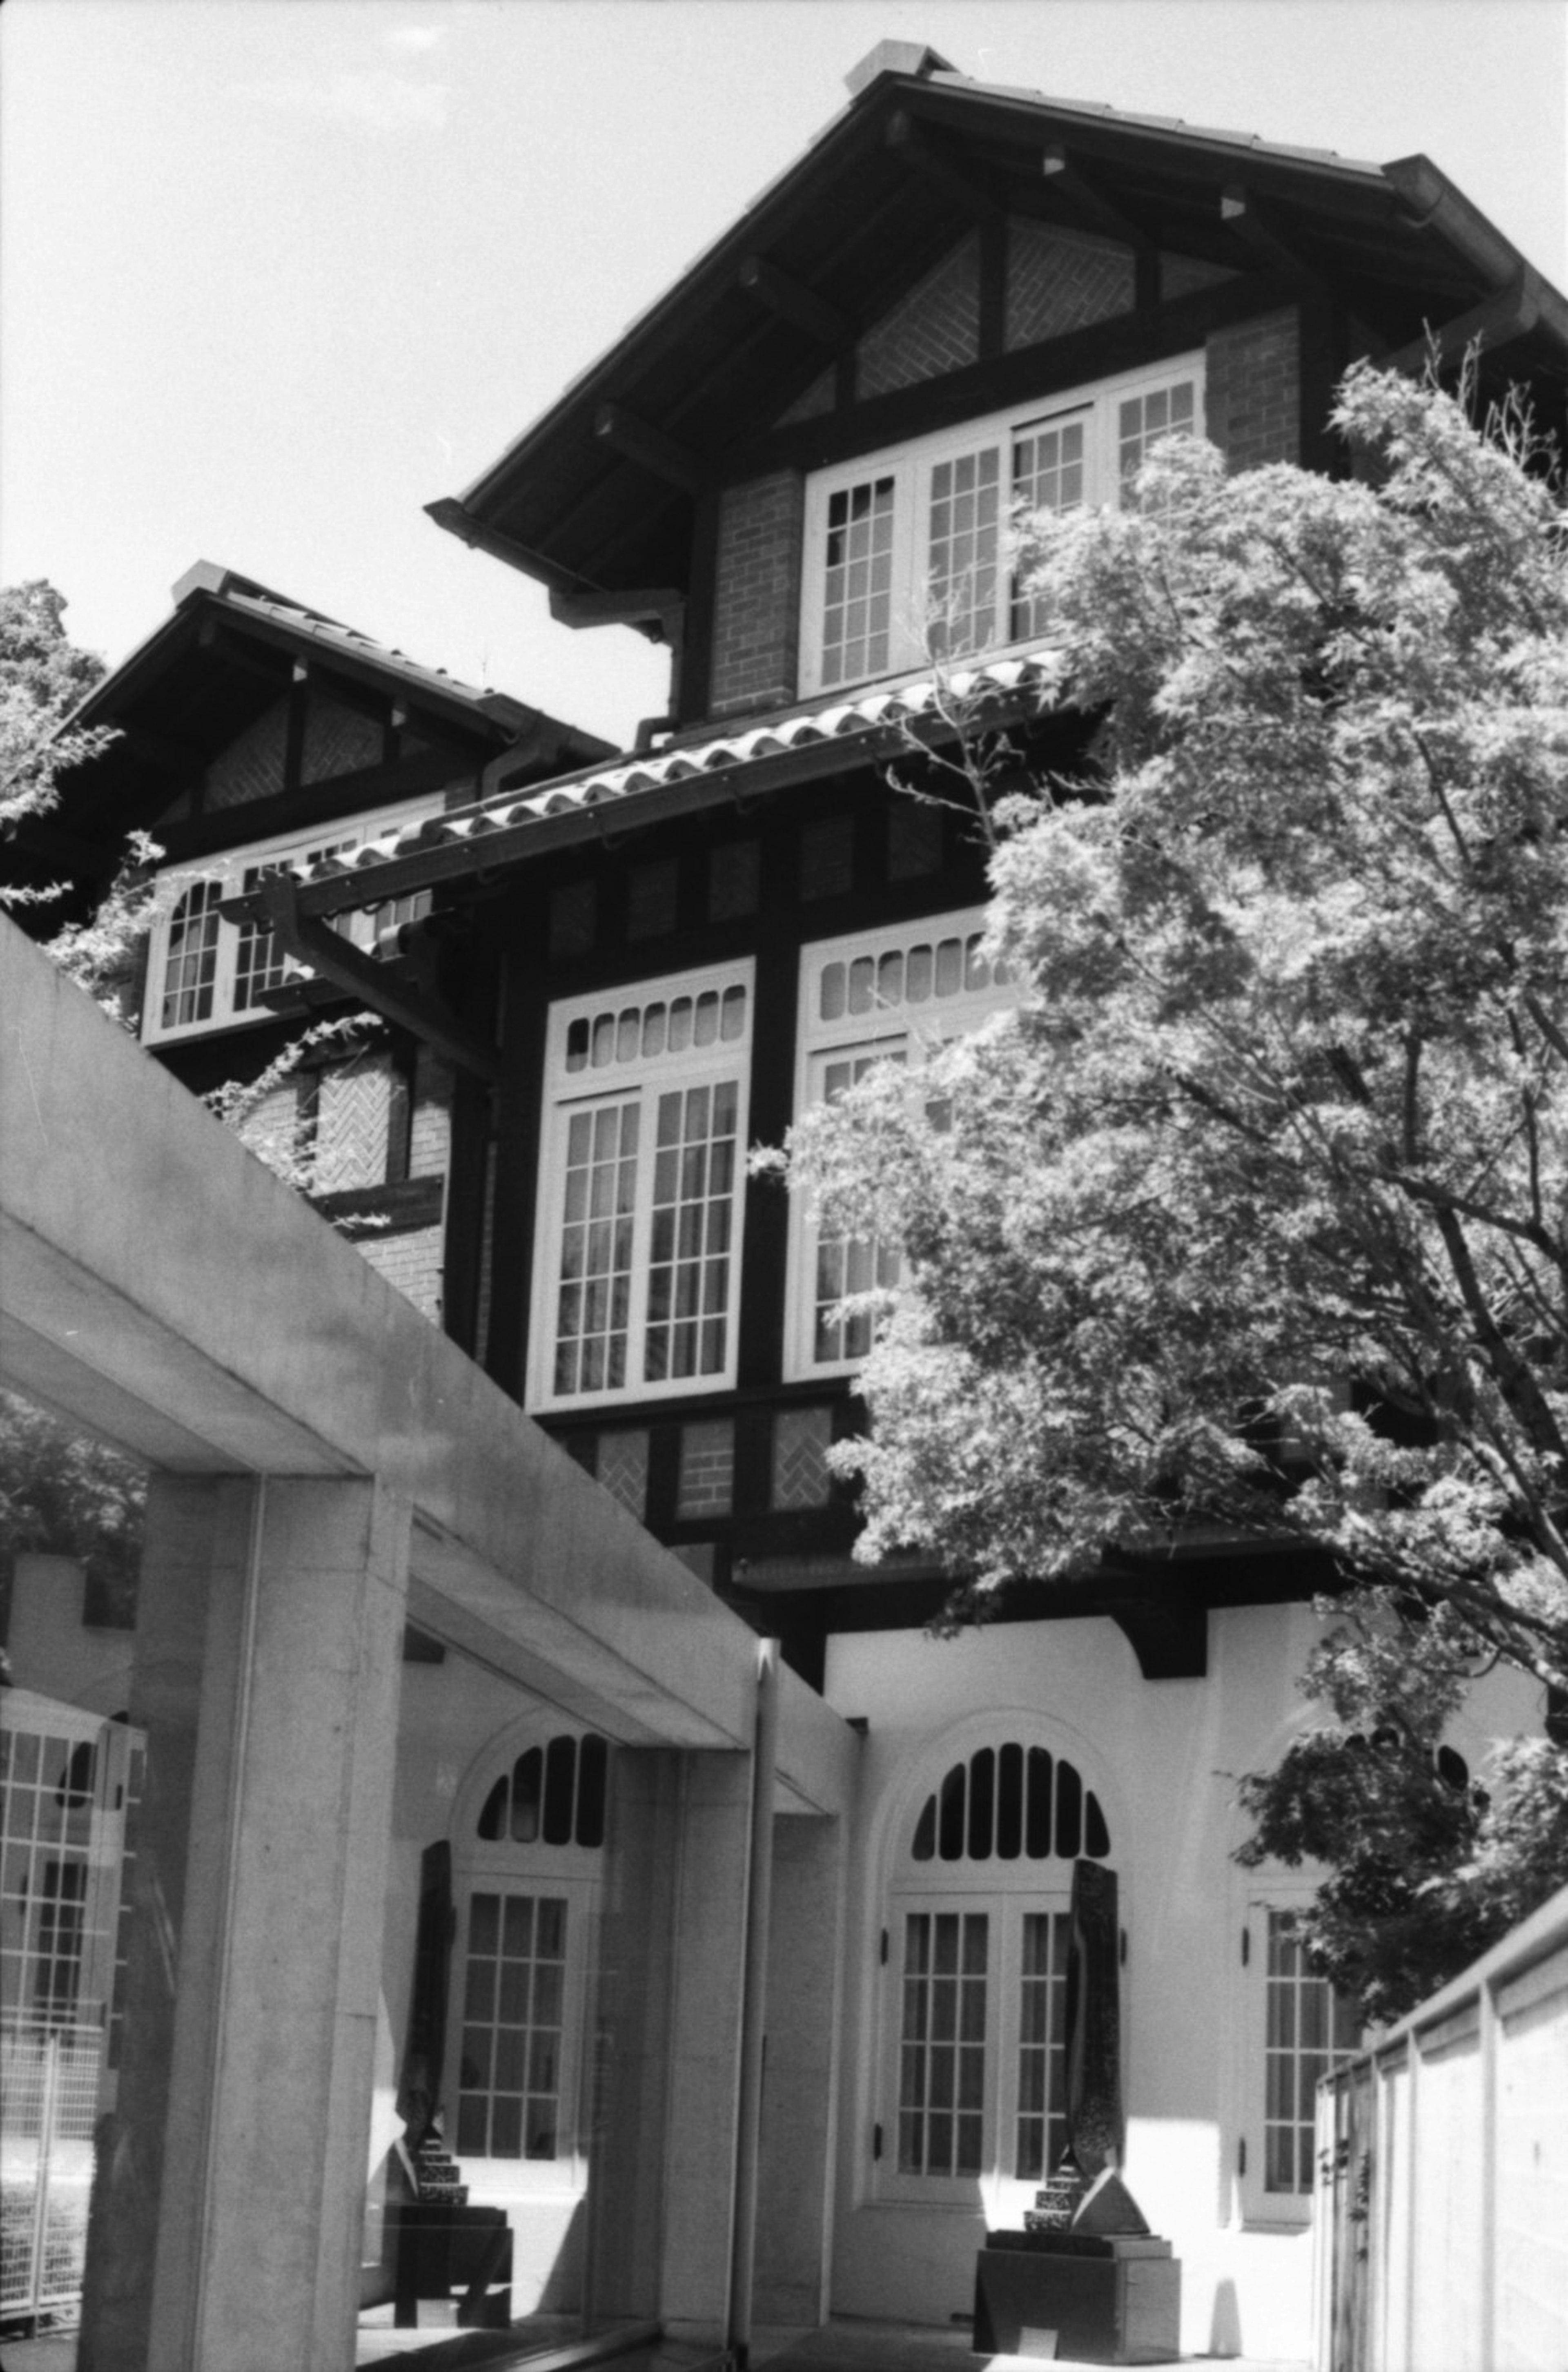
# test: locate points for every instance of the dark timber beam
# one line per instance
(638, 440)
(794, 303)
(275, 902)
(909, 145)
(656, 609)
(1095, 212)
(1251, 224)
(1499, 319)
(168, 756)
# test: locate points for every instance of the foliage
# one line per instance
(43, 677)
(65, 1495)
(1427, 1865)
(1255, 1213)
(280, 1129)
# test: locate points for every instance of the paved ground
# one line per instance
(839, 2346)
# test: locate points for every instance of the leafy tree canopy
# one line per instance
(1255, 1213)
(43, 676)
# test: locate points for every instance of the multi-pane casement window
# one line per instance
(875, 997)
(529, 1869)
(206, 974)
(637, 1255)
(1298, 2029)
(975, 1955)
(910, 555)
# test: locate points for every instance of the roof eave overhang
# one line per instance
(478, 848)
(1409, 196)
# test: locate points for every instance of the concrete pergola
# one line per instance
(327, 1466)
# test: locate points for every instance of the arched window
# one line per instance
(975, 1953)
(191, 964)
(527, 1852)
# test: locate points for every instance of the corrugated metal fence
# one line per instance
(1442, 2232)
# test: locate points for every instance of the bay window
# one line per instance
(909, 556)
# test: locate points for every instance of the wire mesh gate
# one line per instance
(49, 2082)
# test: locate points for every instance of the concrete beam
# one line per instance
(158, 1285)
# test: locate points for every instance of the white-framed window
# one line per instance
(907, 553)
(874, 996)
(1298, 2029)
(526, 1864)
(206, 974)
(975, 1951)
(637, 1252)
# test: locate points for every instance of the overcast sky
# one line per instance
(275, 273)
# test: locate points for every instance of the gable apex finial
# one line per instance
(894, 57)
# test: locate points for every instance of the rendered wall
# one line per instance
(1167, 1755)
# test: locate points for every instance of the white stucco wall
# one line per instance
(1165, 1757)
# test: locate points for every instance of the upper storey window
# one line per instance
(640, 1190)
(206, 974)
(909, 555)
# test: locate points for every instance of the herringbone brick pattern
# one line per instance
(338, 740)
(252, 767)
(1055, 284)
(800, 1456)
(934, 327)
(1180, 274)
(351, 1141)
(623, 1467)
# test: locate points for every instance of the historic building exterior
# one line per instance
(602, 977)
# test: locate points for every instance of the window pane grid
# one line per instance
(857, 608)
(690, 1232)
(848, 1265)
(509, 2087)
(1142, 420)
(964, 548)
(1040, 2134)
(1308, 2031)
(191, 970)
(942, 2048)
(1048, 474)
(593, 1310)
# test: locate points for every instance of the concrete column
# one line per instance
(673, 1938)
(196, 1531)
(795, 2211)
(265, 2053)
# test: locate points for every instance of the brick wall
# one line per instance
(411, 1261)
(1055, 283)
(1254, 390)
(932, 329)
(430, 1138)
(757, 605)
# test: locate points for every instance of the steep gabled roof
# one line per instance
(598, 497)
(229, 652)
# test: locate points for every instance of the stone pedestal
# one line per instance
(1089, 2299)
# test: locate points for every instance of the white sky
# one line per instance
(274, 274)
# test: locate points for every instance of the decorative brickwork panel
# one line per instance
(735, 880)
(1180, 275)
(353, 1114)
(1254, 391)
(252, 767)
(915, 841)
(338, 740)
(651, 892)
(800, 1456)
(827, 857)
(411, 1262)
(573, 917)
(707, 1468)
(430, 1132)
(817, 398)
(622, 1468)
(277, 1131)
(757, 610)
(934, 327)
(1056, 284)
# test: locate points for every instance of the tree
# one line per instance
(1255, 1213)
(43, 676)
